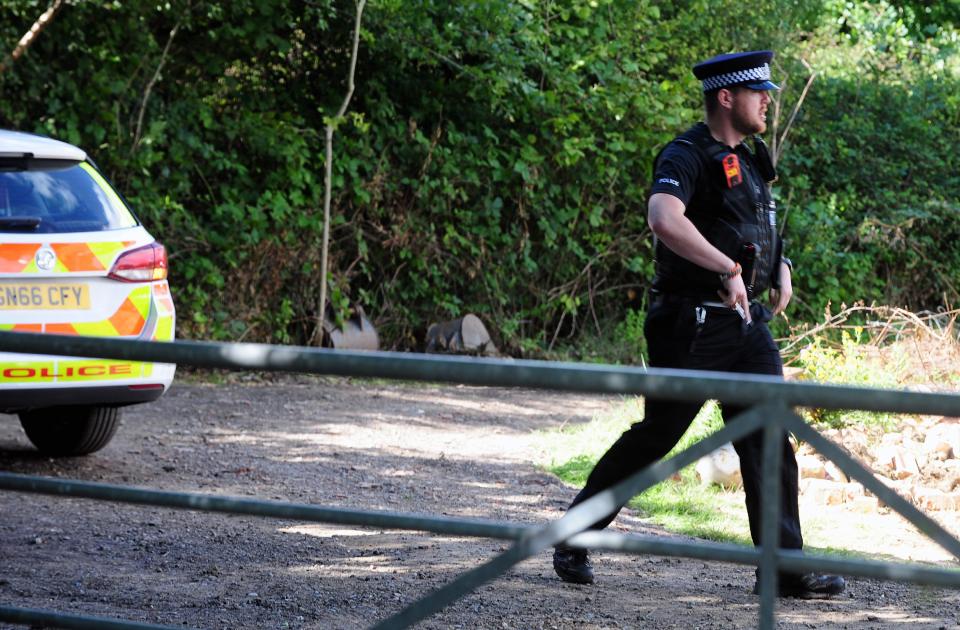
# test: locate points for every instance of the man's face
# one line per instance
(749, 112)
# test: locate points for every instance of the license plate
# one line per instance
(44, 297)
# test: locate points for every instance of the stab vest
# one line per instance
(729, 217)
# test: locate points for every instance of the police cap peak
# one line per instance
(749, 69)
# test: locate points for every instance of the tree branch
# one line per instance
(28, 38)
(328, 175)
(149, 89)
(793, 115)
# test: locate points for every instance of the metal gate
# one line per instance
(769, 399)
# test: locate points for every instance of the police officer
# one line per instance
(717, 249)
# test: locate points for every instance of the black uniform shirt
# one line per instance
(680, 171)
(693, 174)
(677, 171)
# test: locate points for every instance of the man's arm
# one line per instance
(666, 217)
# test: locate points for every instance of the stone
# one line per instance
(950, 482)
(466, 335)
(885, 457)
(905, 489)
(903, 461)
(855, 440)
(891, 439)
(935, 500)
(864, 505)
(811, 467)
(721, 467)
(822, 492)
(940, 452)
(834, 473)
(852, 491)
(890, 483)
(944, 439)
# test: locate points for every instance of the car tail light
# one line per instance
(143, 264)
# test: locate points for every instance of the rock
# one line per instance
(864, 505)
(827, 492)
(950, 482)
(897, 459)
(940, 452)
(855, 440)
(890, 483)
(904, 488)
(853, 491)
(891, 439)
(811, 467)
(834, 473)
(721, 467)
(943, 439)
(822, 491)
(466, 335)
(885, 456)
(935, 500)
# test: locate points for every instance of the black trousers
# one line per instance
(683, 334)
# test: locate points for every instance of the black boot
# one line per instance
(572, 565)
(807, 586)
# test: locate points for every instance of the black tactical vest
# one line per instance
(729, 216)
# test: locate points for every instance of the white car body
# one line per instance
(74, 260)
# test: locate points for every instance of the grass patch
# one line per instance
(862, 345)
(684, 506)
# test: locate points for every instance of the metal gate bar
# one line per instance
(575, 520)
(746, 389)
(258, 507)
(773, 441)
(45, 618)
(769, 397)
(789, 560)
(856, 470)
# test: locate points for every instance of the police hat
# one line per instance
(749, 69)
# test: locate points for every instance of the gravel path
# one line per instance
(460, 451)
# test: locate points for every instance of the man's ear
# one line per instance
(725, 98)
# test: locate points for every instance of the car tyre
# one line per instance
(65, 431)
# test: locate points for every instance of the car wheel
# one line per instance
(61, 431)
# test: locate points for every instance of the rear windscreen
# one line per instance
(56, 196)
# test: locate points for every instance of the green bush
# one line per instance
(870, 173)
(853, 362)
(497, 154)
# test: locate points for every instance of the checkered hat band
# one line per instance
(740, 76)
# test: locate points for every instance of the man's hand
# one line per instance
(779, 298)
(667, 220)
(735, 295)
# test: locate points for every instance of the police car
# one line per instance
(74, 260)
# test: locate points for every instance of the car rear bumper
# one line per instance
(16, 400)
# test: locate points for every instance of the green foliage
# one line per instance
(870, 175)
(496, 154)
(630, 333)
(683, 505)
(853, 362)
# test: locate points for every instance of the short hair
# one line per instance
(710, 101)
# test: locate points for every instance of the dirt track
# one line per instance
(459, 451)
